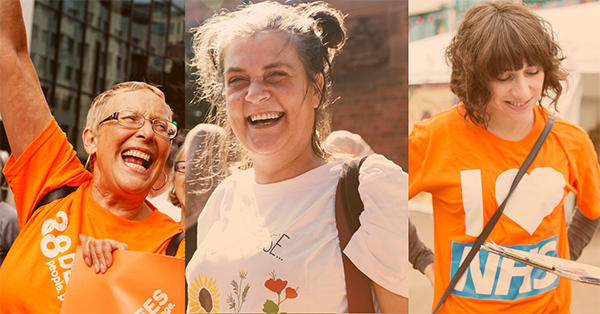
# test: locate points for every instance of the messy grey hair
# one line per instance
(95, 114)
(316, 31)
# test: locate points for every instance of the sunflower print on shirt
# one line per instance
(203, 295)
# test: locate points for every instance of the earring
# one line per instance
(88, 164)
(162, 184)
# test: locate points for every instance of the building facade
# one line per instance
(82, 48)
(434, 17)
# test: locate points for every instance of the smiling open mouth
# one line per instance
(518, 104)
(136, 159)
(265, 119)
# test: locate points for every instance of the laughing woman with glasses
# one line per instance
(127, 155)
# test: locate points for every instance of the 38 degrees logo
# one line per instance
(52, 246)
(154, 304)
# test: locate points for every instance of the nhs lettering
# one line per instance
(492, 277)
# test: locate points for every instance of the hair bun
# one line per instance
(330, 23)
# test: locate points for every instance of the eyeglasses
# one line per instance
(135, 120)
(180, 166)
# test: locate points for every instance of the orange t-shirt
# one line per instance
(468, 171)
(36, 270)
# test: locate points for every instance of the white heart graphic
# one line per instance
(535, 197)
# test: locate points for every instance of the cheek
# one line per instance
(498, 91)
(233, 104)
(180, 182)
(180, 188)
(539, 84)
(163, 148)
(235, 118)
(233, 97)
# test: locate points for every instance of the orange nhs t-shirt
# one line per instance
(468, 171)
(37, 269)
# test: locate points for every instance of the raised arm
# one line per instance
(23, 106)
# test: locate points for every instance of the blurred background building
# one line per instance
(81, 48)
(370, 75)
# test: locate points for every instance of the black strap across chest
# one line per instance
(65, 190)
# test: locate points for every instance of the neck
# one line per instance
(182, 222)
(512, 130)
(271, 170)
(130, 207)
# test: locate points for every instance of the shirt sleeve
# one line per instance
(418, 253)
(588, 180)
(379, 248)
(48, 162)
(418, 142)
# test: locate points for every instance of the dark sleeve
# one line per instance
(9, 228)
(580, 232)
(419, 254)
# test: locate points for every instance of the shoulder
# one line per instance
(378, 173)
(439, 127)
(383, 190)
(160, 216)
(563, 128)
(379, 165)
(232, 182)
(450, 116)
(225, 191)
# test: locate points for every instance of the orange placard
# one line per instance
(137, 282)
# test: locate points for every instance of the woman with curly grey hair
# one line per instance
(267, 238)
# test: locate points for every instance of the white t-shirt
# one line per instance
(275, 247)
(164, 205)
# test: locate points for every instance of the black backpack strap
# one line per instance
(55, 194)
(174, 244)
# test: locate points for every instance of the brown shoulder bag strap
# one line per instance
(358, 286)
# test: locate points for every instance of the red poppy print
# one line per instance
(290, 293)
(277, 285)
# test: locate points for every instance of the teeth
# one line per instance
(135, 166)
(265, 116)
(137, 154)
(517, 103)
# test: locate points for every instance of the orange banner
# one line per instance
(137, 282)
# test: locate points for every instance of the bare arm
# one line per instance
(23, 106)
(390, 302)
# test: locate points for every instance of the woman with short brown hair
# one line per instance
(505, 60)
